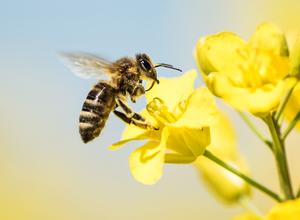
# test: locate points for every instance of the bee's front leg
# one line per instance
(132, 117)
(137, 92)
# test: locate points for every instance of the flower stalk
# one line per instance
(280, 156)
(249, 180)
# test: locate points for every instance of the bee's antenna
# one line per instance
(167, 66)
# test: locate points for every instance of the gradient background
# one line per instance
(46, 172)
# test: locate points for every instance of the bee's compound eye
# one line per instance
(145, 65)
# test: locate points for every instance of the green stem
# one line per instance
(252, 182)
(280, 156)
(283, 103)
(255, 130)
(291, 126)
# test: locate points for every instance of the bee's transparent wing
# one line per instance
(86, 65)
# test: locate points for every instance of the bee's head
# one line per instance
(147, 69)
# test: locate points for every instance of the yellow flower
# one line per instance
(288, 210)
(225, 185)
(183, 116)
(247, 75)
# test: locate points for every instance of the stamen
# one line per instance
(263, 67)
(251, 66)
(157, 109)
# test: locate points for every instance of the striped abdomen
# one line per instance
(95, 110)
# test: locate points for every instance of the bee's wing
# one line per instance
(86, 65)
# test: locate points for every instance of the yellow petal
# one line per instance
(225, 185)
(289, 210)
(119, 144)
(179, 158)
(200, 110)
(258, 101)
(173, 90)
(220, 52)
(187, 141)
(146, 162)
(134, 133)
(269, 37)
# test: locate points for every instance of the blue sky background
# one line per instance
(47, 172)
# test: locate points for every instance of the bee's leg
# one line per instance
(131, 117)
(137, 92)
(122, 116)
(128, 111)
(128, 120)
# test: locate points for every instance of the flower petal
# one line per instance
(173, 90)
(220, 52)
(269, 37)
(187, 141)
(200, 110)
(179, 158)
(287, 210)
(119, 144)
(258, 101)
(146, 162)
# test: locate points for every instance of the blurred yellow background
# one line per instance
(46, 172)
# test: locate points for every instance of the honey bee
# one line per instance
(125, 81)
